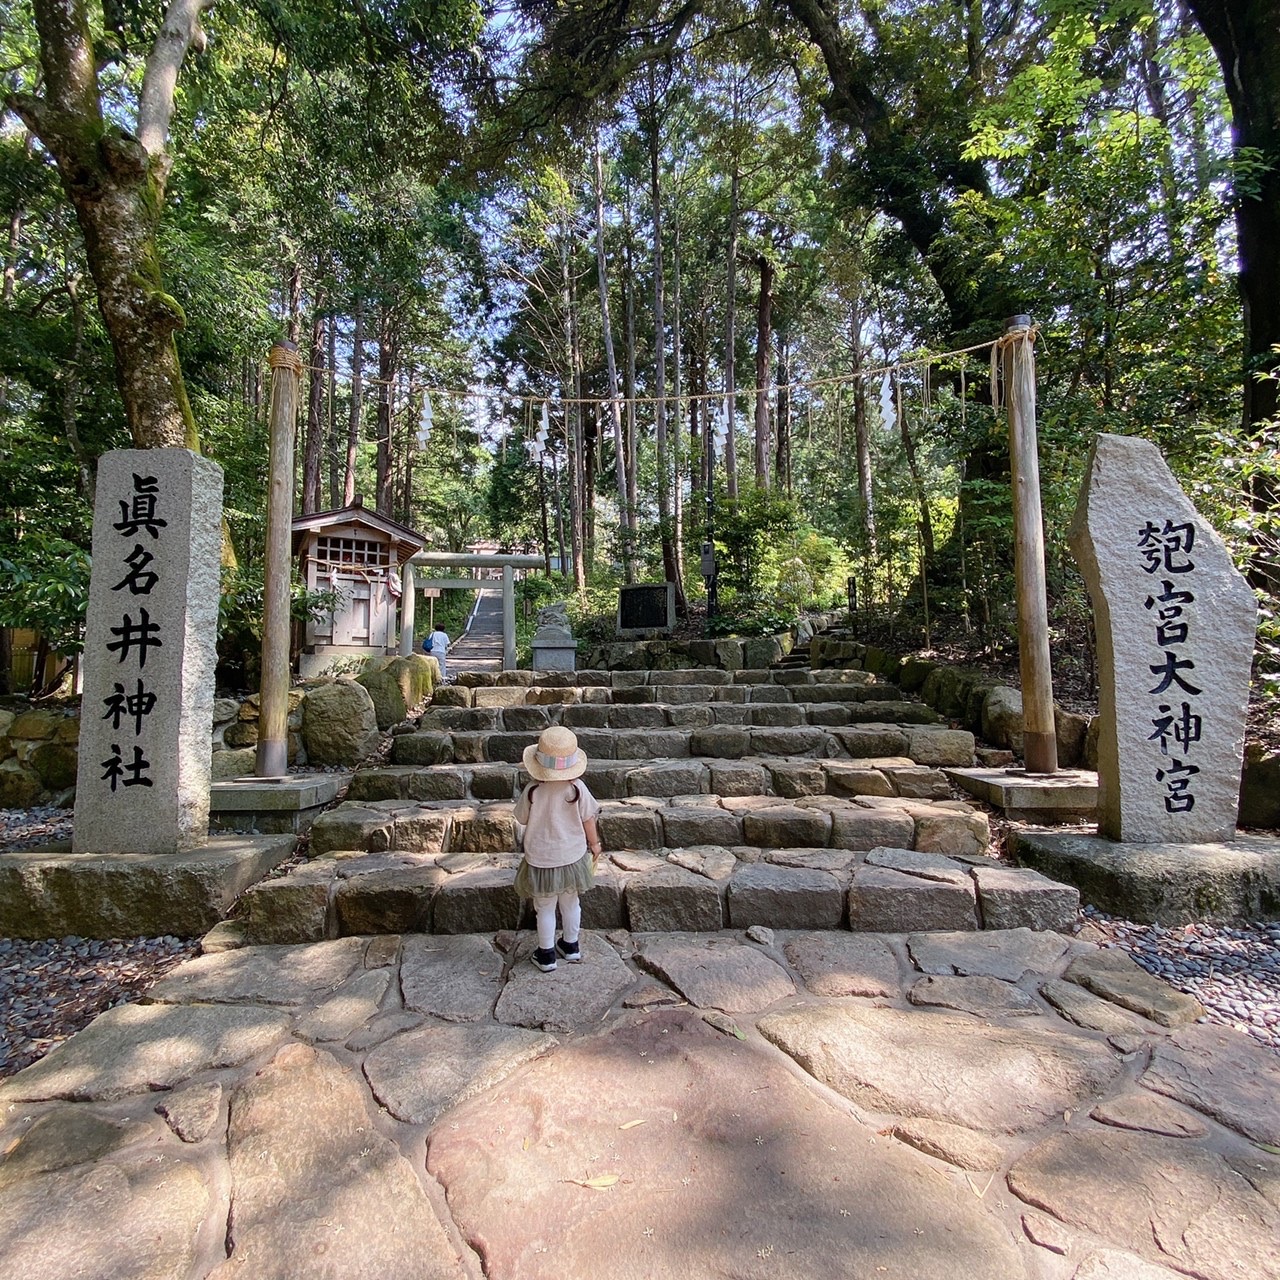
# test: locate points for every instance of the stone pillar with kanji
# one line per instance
(1175, 626)
(149, 655)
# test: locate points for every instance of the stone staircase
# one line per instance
(782, 797)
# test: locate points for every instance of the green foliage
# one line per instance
(44, 584)
(240, 616)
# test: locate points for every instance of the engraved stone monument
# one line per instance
(646, 609)
(1175, 632)
(147, 713)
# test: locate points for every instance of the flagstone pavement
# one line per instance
(993, 1105)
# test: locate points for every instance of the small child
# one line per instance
(561, 843)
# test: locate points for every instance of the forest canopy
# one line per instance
(717, 249)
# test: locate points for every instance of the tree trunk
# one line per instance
(782, 462)
(677, 442)
(293, 302)
(660, 353)
(611, 368)
(413, 410)
(357, 404)
(730, 324)
(861, 430)
(573, 422)
(71, 398)
(629, 302)
(917, 480)
(764, 361)
(331, 412)
(1246, 38)
(313, 440)
(14, 239)
(388, 358)
(116, 180)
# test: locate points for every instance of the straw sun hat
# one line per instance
(555, 757)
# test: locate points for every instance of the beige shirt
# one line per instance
(553, 835)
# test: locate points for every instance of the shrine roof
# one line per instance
(408, 541)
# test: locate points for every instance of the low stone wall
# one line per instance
(330, 722)
(728, 653)
(38, 755)
(993, 712)
(986, 708)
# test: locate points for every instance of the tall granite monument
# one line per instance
(1175, 628)
(149, 655)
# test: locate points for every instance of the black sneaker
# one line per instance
(570, 950)
(544, 959)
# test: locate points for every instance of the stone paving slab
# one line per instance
(833, 964)
(983, 997)
(708, 1161)
(992, 1142)
(1005, 954)
(138, 1218)
(1168, 1200)
(1222, 1075)
(573, 997)
(1117, 977)
(715, 974)
(990, 1078)
(315, 1187)
(263, 975)
(420, 1073)
(137, 1048)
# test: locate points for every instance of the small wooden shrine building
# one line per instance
(359, 554)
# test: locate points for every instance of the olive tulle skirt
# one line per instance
(547, 882)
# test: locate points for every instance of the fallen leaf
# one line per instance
(631, 1124)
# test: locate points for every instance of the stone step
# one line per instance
(785, 777)
(924, 744)
(590, 678)
(678, 695)
(883, 890)
(856, 823)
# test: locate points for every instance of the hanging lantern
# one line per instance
(424, 421)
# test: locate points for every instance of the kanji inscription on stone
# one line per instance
(1175, 628)
(147, 713)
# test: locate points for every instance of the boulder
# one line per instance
(339, 723)
(1002, 718)
(19, 786)
(231, 764)
(1260, 787)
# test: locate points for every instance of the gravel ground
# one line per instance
(1233, 972)
(49, 989)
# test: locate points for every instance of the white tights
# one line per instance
(570, 918)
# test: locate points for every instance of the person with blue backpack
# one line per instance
(436, 645)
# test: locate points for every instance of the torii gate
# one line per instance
(508, 565)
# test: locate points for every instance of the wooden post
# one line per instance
(1039, 739)
(408, 609)
(272, 759)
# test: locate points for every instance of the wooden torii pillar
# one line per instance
(465, 560)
